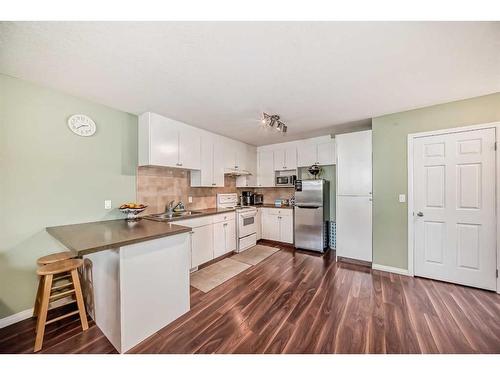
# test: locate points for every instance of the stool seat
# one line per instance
(56, 257)
(59, 267)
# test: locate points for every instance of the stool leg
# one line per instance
(42, 316)
(79, 299)
(38, 297)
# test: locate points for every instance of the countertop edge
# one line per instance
(182, 229)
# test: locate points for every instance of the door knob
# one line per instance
(420, 214)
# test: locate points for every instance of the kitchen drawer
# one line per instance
(223, 217)
(278, 211)
(195, 222)
(247, 242)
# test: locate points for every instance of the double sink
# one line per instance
(168, 216)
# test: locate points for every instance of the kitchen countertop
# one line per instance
(88, 238)
(199, 213)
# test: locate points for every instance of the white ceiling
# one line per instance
(319, 76)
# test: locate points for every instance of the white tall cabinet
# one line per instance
(354, 195)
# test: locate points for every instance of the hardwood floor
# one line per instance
(296, 302)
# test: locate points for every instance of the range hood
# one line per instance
(236, 172)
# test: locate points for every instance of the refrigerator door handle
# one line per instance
(310, 207)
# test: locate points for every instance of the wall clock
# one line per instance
(82, 125)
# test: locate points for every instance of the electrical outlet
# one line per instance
(190, 199)
(402, 198)
(107, 204)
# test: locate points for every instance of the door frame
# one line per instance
(411, 138)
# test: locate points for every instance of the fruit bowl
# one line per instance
(132, 212)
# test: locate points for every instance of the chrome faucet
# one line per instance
(170, 208)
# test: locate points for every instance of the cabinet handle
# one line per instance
(213, 184)
(191, 232)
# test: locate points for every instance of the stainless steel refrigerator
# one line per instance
(311, 214)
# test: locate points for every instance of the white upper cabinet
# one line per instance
(265, 169)
(319, 151)
(250, 166)
(326, 152)
(235, 155)
(306, 153)
(211, 172)
(354, 168)
(285, 158)
(169, 143)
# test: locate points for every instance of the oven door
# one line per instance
(246, 223)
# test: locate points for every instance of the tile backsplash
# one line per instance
(156, 186)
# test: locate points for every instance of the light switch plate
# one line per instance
(107, 204)
(190, 199)
(402, 198)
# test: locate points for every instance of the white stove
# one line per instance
(246, 226)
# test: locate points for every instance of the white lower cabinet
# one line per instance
(211, 236)
(258, 224)
(224, 237)
(277, 224)
(286, 229)
(202, 245)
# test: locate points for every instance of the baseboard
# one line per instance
(399, 271)
(11, 319)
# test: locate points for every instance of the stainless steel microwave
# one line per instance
(286, 181)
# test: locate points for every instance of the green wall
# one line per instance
(49, 176)
(390, 175)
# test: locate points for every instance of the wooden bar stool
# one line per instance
(50, 293)
(48, 259)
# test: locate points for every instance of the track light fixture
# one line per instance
(273, 121)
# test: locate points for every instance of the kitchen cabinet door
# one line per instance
(163, 141)
(258, 224)
(218, 163)
(354, 163)
(205, 176)
(291, 157)
(202, 245)
(219, 239)
(279, 160)
(241, 156)
(326, 153)
(286, 229)
(230, 233)
(270, 227)
(189, 148)
(306, 153)
(229, 147)
(265, 170)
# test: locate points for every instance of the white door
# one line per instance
(230, 233)
(265, 177)
(219, 239)
(291, 157)
(206, 163)
(164, 140)
(189, 148)
(258, 224)
(354, 163)
(326, 153)
(202, 245)
(218, 163)
(454, 206)
(354, 227)
(286, 229)
(279, 160)
(306, 153)
(270, 227)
